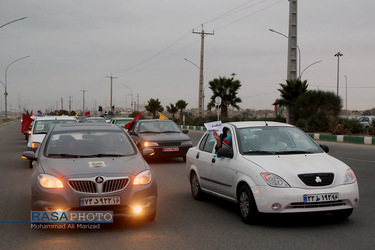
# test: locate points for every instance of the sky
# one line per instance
(74, 46)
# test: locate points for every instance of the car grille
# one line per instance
(317, 179)
(178, 143)
(316, 204)
(89, 185)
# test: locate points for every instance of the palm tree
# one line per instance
(172, 109)
(181, 105)
(227, 89)
(154, 106)
(289, 95)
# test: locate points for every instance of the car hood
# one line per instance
(89, 167)
(289, 166)
(160, 137)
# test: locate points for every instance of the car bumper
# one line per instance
(291, 200)
(68, 200)
(169, 152)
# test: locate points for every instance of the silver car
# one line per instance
(92, 167)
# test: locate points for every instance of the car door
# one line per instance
(222, 172)
(204, 156)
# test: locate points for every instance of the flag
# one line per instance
(26, 121)
(162, 117)
(87, 114)
(31, 113)
(130, 124)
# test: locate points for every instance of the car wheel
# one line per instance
(196, 190)
(246, 203)
(342, 214)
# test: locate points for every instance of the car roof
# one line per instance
(38, 118)
(122, 118)
(86, 126)
(154, 120)
(246, 124)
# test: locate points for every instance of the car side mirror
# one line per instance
(325, 148)
(148, 152)
(185, 131)
(226, 152)
(29, 155)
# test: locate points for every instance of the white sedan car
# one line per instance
(271, 168)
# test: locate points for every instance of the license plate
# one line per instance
(308, 198)
(100, 201)
(170, 149)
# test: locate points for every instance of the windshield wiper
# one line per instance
(64, 155)
(293, 152)
(170, 132)
(102, 155)
(149, 132)
(259, 152)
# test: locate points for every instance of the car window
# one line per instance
(275, 140)
(207, 143)
(89, 144)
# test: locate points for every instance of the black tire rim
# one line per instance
(244, 204)
(195, 185)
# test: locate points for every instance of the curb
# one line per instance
(367, 140)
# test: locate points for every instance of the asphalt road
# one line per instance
(182, 222)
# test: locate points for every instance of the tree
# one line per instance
(154, 106)
(172, 109)
(317, 110)
(181, 105)
(227, 89)
(289, 95)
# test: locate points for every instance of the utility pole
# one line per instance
(292, 41)
(292, 48)
(110, 99)
(70, 103)
(62, 103)
(201, 95)
(83, 107)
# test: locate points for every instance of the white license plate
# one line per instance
(170, 149)
(100, 201)
(308, 198)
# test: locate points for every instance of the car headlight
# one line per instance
(49, 181)
(142, 178)
(35, 145)
(274, 180)
(186, 143)
(150, 144)
(349, 177)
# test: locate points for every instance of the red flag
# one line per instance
(31, 113)
(26, 121)
(87, 114)
(127, 126)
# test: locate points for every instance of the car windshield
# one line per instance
(275, 140)
(89, 144)
(159, 126)
(42, 126)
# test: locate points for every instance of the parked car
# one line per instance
(92, 167)
(366, 122)
(121, 121)
(271, 168)
(163, 136)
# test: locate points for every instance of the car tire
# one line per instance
(342, 214)
(196, 190)
(30, 164)
(246, 204)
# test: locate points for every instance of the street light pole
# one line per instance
(6, 93)
(308, 67)
(299, 51)
(131, 95)
(338, 54)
